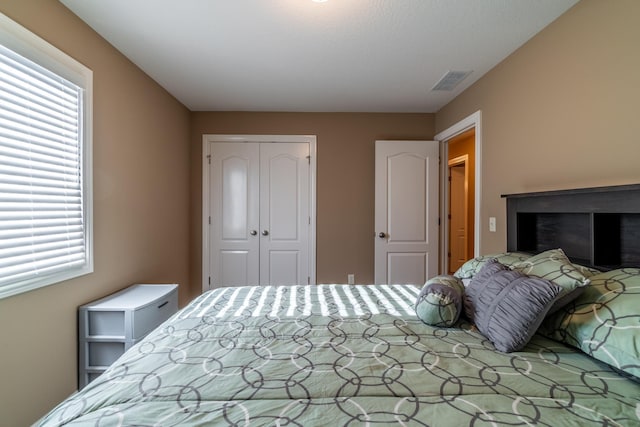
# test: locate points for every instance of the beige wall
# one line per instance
(560, 112)
(345, 167)
(141, 179)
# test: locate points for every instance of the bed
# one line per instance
(345, 355)
(342, 355)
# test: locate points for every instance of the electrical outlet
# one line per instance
(492, 224)
(351, 279)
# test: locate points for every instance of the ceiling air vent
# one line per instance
(450, 80)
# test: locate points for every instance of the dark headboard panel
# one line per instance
(597, 227)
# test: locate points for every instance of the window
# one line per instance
(45, 163)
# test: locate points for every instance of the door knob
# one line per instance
(265, 233)
(253, 232)
(382, 235)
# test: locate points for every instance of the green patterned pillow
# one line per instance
(471, 267)
(604, 321)
(586, 271)
(440, 301)
(554, 266)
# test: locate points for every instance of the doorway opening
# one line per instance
(462, 139)
(461, 212)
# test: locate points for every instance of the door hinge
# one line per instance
(209, 220)
(438, 221)
(209, 158)
(209, 280)
(449, 216)
(308, 280)
(309, 159)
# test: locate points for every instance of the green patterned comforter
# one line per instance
(337, 355)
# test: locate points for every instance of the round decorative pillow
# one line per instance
(440, 301)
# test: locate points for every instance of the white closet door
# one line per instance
(406, 211)
(284, 213)
(234, 198)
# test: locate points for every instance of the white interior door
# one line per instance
(284, 213)
(406, 211)
(233, 233)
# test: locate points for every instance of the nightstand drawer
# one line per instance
(148, 318)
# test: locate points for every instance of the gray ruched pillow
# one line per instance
(507, 306)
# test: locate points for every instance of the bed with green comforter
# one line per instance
(339, 355)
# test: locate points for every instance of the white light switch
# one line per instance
(492, 224)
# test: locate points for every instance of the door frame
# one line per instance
(207, 139)
(457, 161)
(473, 121)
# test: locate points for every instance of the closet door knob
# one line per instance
(253, 232)
(382, 235)
(265, 233)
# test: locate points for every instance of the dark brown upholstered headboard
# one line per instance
(597, 227)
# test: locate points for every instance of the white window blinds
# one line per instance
(43, 229)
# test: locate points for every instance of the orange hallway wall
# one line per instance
(459, 146)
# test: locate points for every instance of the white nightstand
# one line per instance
(111, 325)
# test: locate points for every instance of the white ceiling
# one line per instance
(298, 55)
